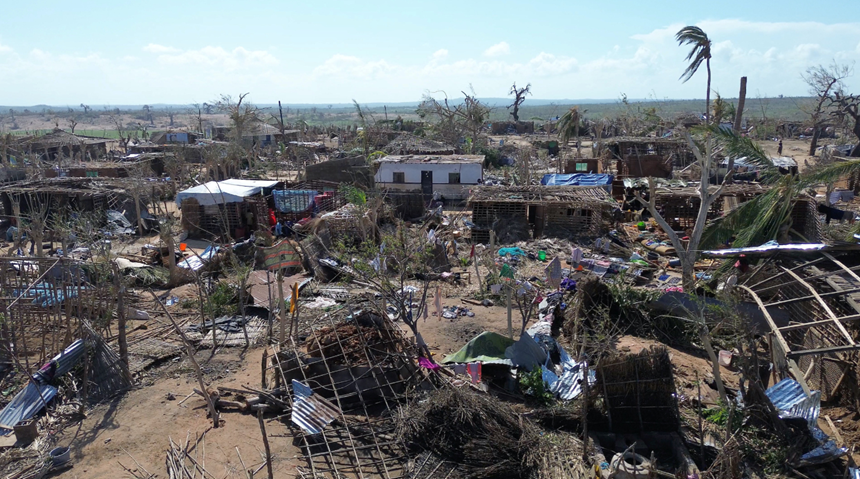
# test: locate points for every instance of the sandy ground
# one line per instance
(140, 423)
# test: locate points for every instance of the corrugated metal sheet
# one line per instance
(25, 405)
(311, 412)
(29, 401)
(69, 357)
(788, 397)
(790, 400)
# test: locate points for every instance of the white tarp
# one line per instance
(227, 191)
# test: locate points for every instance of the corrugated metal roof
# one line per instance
(25, 405)
(790, 400)
(311, 412)
(29, 401)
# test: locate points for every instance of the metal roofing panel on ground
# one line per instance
(25, 405)
(311, 412)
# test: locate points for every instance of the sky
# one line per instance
(120, 53)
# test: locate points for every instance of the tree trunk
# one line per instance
(121, 321)
(856, 151)
(742, 98)
(705, 337)
(816, 133)
(136, 197)
(708, 94)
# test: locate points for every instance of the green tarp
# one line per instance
(487, 347)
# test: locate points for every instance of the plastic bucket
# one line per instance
(60, 455)
(182, 246)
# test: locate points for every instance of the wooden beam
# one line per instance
(834, 349)
(819, 295)
(824, 305)
(783, 345)
(792, 327)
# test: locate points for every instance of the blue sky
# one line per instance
(113, 52)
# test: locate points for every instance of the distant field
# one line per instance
(97, 123)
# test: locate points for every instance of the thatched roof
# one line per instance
(579, 195)
(58, 138)
(734, 189)
(642, 140)
(407, 144)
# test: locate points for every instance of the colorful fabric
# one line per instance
(474, 370)
(281, 255)
(427, 364)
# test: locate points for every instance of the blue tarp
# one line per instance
(577, 179)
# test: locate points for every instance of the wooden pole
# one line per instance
(282, 310)
(266, 444)
(701, 430)
(510, 323)
(189, 349)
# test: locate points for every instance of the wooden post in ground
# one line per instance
(282, 310)
(510, 323)
(263, 367)
(266, 445)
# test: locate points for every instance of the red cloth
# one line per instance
(272, 219)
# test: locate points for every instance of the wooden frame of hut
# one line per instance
(517, 213)
(816, 288)
(643, 156)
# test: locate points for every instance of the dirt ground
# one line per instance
(139, 423)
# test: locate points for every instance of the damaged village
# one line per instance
(453, 290)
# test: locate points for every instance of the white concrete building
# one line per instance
(450, 175)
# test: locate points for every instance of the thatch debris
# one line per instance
(484, 436)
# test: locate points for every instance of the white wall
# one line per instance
(470, 173)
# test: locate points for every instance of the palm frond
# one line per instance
(756, 221)
(830, 174)
(569, 124)
(700, 51)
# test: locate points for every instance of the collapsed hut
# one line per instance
(643, 157)
(352, 370)
(519, 213)
(59, 143)
(817, 287)
(50, 196)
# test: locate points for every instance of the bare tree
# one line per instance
(73, 122)
(847, 105)
(824, 82)
(519, 97)
(240, 112)
(455, 122)
(197, 112)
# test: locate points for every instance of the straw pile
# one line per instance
(480, 433)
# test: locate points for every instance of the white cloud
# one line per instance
(156, 48)
(219, 57)
(497, 50)
(441, 54)
(8, 49)
(349, 66)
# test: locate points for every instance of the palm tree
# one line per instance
(699, 53)
(568, 126)
(764, 217)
